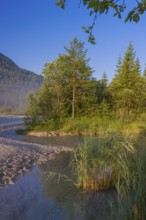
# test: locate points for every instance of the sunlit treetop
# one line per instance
(103, 6)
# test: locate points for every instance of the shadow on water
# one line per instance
(34, 197)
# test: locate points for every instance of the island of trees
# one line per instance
(72, 100)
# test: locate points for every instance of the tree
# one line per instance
(78, 71)
(144, 72)
(67, 89)
(128, 86)
(119, 64)
(56, 80)
(101, 89)
(103, 6)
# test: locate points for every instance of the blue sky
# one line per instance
(33, 32)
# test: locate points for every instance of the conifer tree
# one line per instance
(127, 85)
(144, 72)
(78, 72)
(119, 64)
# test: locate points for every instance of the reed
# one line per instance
(114, 161)
(132, 200)
(101, 162)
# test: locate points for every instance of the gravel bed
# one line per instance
(18, 157)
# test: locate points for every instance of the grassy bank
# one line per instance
(96, 125)
(91, 126)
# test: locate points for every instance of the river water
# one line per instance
(35, 197)
(10, 119)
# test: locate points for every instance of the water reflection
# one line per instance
(62, 191)
(33, 197)
(78, 204)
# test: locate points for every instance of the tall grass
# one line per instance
(100, 163)
(132, 200)
(113, 161)
(91, 126)
(99, 125)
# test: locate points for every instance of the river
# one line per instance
(10, 119)
(34, 197)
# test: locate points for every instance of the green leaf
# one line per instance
(93, 4)
(85, 29)
(130, 14)
(136, 17)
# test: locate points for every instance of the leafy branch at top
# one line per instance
(103, 6)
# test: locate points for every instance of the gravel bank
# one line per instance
(17, 157)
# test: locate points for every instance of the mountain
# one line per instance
(15, 85)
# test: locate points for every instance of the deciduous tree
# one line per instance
(134, 11)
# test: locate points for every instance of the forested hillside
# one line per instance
(15, 85)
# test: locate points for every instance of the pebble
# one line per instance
(18, 157)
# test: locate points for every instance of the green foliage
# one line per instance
(118, 7)
(71, 100)
(68, 89)
(128, 86)
(93, 125)
(79, 73)
(97, 125)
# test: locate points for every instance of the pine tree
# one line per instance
(101, 89)
(137, 67)
(104, 80)
(144, 72)
(79, 72)
(119, 64)
(126, 86)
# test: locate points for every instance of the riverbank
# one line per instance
(83, 134)
(87, 126)
(49, 133)
(18, 157)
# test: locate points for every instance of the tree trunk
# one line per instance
(73, 102)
